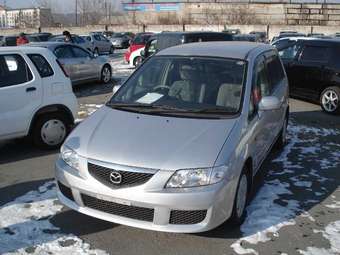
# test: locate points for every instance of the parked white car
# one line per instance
(36, 97)
(136, 57)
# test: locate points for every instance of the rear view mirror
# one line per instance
(269, 103)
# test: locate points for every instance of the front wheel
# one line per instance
(241, 199)
(329, 100)
(50, 130)
(106, 74)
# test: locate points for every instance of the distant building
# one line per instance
(2, 17)
(25, 18)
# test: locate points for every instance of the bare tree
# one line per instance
(93, 12)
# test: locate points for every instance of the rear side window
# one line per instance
(315, 53)
(275, 70)
(63, 52)
(13, 70)
(80, 53)
(42, 65)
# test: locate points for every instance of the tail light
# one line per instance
(63, 68)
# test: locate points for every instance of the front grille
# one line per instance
(128, 179)
(133, 212)
(66, 191)
(187, 217)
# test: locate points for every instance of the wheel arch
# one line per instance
(51, 109)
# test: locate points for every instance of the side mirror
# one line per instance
(269, 103)
(142, 53)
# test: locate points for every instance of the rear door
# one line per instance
(20, 94)
(310, 68)
(86, 68)
(67, 59)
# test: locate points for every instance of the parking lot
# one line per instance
(295, 209)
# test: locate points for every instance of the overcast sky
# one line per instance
(67, 6)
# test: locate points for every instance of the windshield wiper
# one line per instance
(148, 107)
(213, 110)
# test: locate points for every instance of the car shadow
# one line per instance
(28, 229)
(21, 149)
(93, 89)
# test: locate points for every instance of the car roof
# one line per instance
(237, 50)
(24, 49)
(314, 39)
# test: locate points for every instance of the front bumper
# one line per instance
(172, 209)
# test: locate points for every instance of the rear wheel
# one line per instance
(330, 100)
(50, 130)
(106, 74)
(241, 199)
(137, 61)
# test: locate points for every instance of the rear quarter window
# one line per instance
(42, 65)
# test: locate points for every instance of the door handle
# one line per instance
(31, 89)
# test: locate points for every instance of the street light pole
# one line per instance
(76, 12)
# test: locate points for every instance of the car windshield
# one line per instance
(203, 86)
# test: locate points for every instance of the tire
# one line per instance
(50, 130)
(106, 74)
(137, 61)
(282, 139)
(96, 52)
(241, 200)
(330, 100)
(112, 50)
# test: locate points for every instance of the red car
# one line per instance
(138, 42)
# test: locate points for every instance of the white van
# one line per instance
(36, 97)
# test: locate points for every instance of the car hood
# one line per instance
(150, 141)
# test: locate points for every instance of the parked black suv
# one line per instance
(167, 39)
(313, 69)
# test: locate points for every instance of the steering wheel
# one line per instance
(164, 89)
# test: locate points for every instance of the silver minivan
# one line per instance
(177, 146)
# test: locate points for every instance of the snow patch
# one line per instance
(25, 226)
(332, 234)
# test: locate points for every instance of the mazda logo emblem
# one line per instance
(116, 178)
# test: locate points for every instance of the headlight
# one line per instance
(196, 177)
(70, 157)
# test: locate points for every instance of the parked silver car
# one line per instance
(176, 148)
(100, 44)
(81, 65)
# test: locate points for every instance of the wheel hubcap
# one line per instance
(53, 132)
(242, 196)
(106, 74)
(330, 101)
